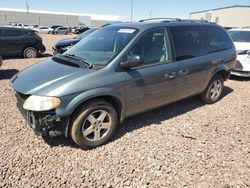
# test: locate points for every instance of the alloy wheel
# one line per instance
(97, 125)
(216, 89)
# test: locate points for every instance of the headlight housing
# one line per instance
(41, 103)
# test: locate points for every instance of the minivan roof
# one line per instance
(152, 23)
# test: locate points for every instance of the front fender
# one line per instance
(70, 103)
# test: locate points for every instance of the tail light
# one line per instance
(235, 56)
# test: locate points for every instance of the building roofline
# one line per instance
(234, 6)
(93, 16)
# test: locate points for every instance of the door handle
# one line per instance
(217, 61)
(183, 72)
(170, 75)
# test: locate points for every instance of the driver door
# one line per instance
(154, 83)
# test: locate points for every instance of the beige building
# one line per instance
(233, 16)
(49, 18)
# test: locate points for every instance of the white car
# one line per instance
(241, 38)
(16, 25)
(43, 29)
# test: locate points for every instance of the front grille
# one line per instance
(238, 66)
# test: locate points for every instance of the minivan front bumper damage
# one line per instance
(45, 123)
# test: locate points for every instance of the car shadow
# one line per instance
(145, 119)
(7, 73)
(20, 57)
(157, 116)
(44, 55)
(60, 141)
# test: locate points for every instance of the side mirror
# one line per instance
(133, 61)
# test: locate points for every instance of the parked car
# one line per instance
(1, 61)
(44, 29)
(17, 41)
(80, 30)
(16, 25)
(241, 38)
(62, 30)
(120, 71)
(63, 45)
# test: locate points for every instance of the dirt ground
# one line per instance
(183, 144)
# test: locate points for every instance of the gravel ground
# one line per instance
(183, 144)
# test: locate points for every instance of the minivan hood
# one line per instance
(44, 74)
(240, 46)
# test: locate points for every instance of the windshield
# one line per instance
(84, 34)
(240, 36)
(102, 46)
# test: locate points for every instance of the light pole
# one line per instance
(28, 10)
(132, 9)
(5, 17)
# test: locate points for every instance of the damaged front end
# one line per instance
(44, 123)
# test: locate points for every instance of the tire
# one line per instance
(87, 125)
(214, 90)
(30, 52)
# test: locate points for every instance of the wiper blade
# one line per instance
(73, 56)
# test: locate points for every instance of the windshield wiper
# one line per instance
(73, 56)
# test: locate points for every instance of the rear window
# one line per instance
(218, 39)
(240, 36)
(188, 42)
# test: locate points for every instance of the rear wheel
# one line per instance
(214, 90)
(30, 52)
(94, 124)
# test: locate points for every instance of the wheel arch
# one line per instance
(223, 71)
(113, 100)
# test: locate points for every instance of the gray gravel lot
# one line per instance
(186, 143)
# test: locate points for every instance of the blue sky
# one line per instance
(142, 8)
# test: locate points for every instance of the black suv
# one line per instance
(63, 45)
(122, 70)
(17, 41)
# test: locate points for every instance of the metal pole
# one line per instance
(132, 9)
(5, 17)
(27, 7)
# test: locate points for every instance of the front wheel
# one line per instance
(94, 124)
(214, 90)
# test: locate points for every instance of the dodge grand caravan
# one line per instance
(122, 70)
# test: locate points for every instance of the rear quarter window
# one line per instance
(218, 39)
(189, 41)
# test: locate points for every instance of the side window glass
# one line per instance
(218, 39)
(1, 33)
(12, 33)
(188, 42)
(153, 47)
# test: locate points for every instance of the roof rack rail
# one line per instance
(194, 20)
(164, 19)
